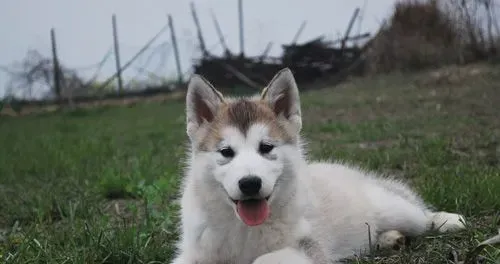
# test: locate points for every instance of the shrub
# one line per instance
(431, 33)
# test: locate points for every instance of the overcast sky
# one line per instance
(84, 33)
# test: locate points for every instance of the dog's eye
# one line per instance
(265, 148)
(227, 152)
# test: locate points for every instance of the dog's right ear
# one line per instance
(202, 102)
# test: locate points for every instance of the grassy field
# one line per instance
(97, 186)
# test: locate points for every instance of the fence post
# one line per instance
(55, 62)
(176, 50)
(117, 55)
(242, 37)
(198, 29)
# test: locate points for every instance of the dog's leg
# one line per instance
(442, 222)
(401, 209)
(445, 222)
(415, 221)
(284, 256)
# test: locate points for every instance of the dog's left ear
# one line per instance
(282, 95)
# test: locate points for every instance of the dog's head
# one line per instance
(247, 145)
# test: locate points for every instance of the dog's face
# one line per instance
(246, 145)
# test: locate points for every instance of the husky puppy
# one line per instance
(249, 194)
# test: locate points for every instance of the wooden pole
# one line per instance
(130, 61)
(240, 15)
(349, 27)
(176, 50)
(55, 62)
(198, 29)
(117, 55)
(266, 51)
(297, 35)
(219, 33)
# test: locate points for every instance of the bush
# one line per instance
(431, 33)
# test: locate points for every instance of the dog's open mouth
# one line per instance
(253, 212)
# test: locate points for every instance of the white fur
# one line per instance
(320, 211)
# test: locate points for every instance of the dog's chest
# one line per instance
(243, 245)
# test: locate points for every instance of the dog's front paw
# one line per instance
(283, 256)
(445, 222)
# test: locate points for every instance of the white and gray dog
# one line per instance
(249, 194)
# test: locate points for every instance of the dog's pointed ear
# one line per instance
(202, 102)
(282, 95)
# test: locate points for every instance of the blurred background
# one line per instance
(59, 50)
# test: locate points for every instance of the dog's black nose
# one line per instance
(250, 185)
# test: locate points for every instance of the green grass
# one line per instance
(97, 186)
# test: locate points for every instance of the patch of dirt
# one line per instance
(124, 210)
(388, 143)
(454, 74)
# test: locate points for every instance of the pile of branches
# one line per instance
(309, 61)
(229, 72)
(318, 58)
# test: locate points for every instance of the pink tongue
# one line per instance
(253, 212)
